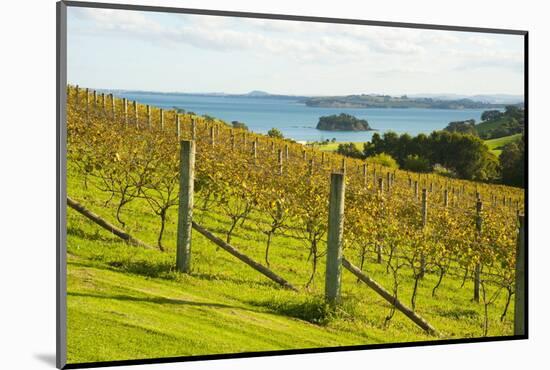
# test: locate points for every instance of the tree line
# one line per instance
(461, 155)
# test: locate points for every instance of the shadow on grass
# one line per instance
(310, 309)
(150, 269)
(459, 314)
(95, 236)
(154, 300)
(313, 309)
(237, 281)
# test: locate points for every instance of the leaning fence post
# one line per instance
(335, 238)
(477, 272)
(519, 309)
(185, 211)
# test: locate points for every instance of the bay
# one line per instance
(298, 121)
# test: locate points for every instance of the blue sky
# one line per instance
(121, 49)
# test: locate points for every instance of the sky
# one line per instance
(134, 50)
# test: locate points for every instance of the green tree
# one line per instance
(512, 163)
(240, 125)
(417, 164)
(491, 115)
(349, 150)
(275, 133)
(463, 127)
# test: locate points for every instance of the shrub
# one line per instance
(417, 164)
(384, 160)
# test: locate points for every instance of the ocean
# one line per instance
(298, 121)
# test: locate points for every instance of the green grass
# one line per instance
(496, 145)
(332, 147)
(127, 302)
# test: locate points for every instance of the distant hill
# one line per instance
(483, 98)
(387, 101)
(494, 123)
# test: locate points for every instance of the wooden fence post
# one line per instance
(519, 309)
(136, 118)
(161, 119)
(113, 114)
(125, 103)
(388, 181)
(446, 198)
(77, 93)
(232, 140)
(416, 190)
(212, 139)
(335, 238)
(148, 108)
(344, 165)
(477, 272)
(381, 185)
(365, 174)
(95, 100)
(87, 103)
(287, 156)
(103, 106)
(178, 125)
(280, 161)
(424, 223)
(193, 129)
(254, 149)
(311, 167)
(185, 210)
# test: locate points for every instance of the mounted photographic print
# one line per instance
(238, 184)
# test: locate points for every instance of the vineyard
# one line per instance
(444, 248)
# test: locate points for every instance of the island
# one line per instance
(342, 122)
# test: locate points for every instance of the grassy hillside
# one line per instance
(127, 302)
(496, 145)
